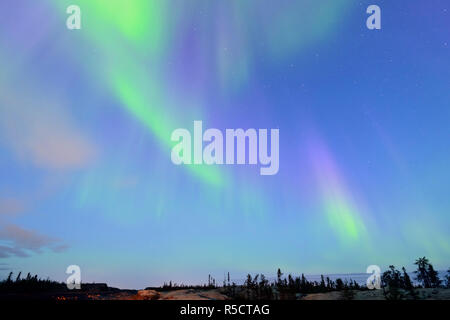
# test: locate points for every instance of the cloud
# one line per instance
(16, 241)
(6, 252)
(41, 131)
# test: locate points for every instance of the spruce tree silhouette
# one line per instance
(407, 280)
(339, 284)
(279, 275)
(322, 283)
(447, 279)
(392, 281)
(434, 277)
(422, 272)
(408, 285)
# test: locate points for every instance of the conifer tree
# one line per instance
(304, 284)
(407, 280)
(447, 279)
(422, 272)
(279, 275)
(434, 277)
(339, 284)
(322, 283)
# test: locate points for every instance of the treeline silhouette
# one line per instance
(33, 284)
(398, 285)
(287, 288)
(30, 284)
(395, 284)
(175, 286)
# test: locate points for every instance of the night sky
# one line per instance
(86, 117)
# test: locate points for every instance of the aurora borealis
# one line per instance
(86, 118)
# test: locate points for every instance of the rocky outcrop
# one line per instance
(147, 295)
